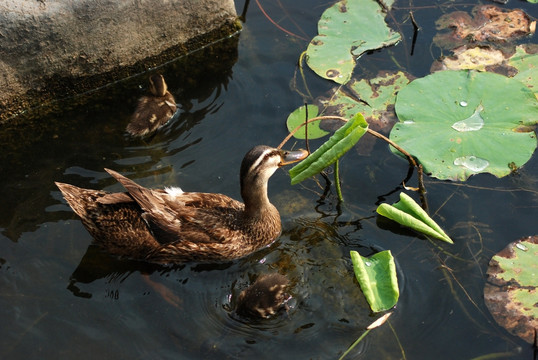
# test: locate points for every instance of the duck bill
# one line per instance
(290, 157)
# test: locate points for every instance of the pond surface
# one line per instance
(63, 298)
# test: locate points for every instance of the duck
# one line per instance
(153, 110)
(170, 226)
(264, 298)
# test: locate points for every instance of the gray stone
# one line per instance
(52, 49)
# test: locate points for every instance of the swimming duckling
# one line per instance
(172, 226)
(265, 297)
(153, 110)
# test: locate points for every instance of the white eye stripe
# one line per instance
(260, 159)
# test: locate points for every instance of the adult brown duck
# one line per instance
(153, 110)
(172, 226)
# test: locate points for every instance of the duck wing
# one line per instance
(187, 217)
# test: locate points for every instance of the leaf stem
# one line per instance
(410, 158)
(301, 59)
(337, 181)
(353, 345)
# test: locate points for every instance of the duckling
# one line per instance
(171, 226)
(153, 110)
(265, 297)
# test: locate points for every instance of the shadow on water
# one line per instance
(74, 136)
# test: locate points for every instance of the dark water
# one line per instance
(62, 298)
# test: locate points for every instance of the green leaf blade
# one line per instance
(409, 205)
(406, 213)
(377, 278)
(337, 145)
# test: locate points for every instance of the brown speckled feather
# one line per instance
(153, 110)
(114, 220)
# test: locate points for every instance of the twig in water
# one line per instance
(416, 28)
(306, 128)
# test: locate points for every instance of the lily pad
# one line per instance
(298, 117)
(511, 291)
(346, 31)
(374, 98)
(377, 278)
(408, 213)
(488, 23)
(470, 58)
(337, 145)
(526, 62)
(460, 123)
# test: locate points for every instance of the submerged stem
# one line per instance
(353, 345)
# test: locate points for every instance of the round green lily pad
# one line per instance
(346, 30)
(298, 117)
(511, 292)
(461, 123)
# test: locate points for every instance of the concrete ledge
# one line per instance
(52, 49)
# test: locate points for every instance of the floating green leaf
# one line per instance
(510, 293)
(377, 278)
(460, 123)
(526, 64)
(337, 145)
(347, 30)
(298, 117)
(378, 95)
(408, 213)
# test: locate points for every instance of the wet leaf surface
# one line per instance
(455, 123)
(511, 292)
(377, 278)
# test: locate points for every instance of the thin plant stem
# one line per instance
(278, 26)
(410, 158)
(354, 344)
(301, 70)
(397, 340)
(337, 181)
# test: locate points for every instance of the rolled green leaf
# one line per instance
(409, 205)
(337, 145)
(408, 213)
(377, 278)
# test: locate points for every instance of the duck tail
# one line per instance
(127, 183)
(73, 195)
